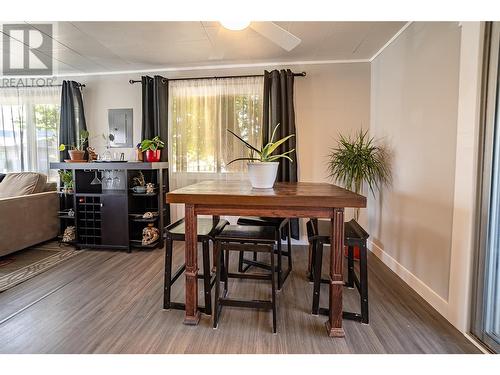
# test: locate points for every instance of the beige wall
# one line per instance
(414, 101)
(106, 92)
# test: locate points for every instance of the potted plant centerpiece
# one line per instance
(77, 152)
(152, 148)
(263, 165)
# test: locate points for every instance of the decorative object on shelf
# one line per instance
(153, 148)
(150, 235)
(77, 152)
(105, 156)
(67, 180)
(138, 152)
(92, 153)
(139, 189)
(71, 213)
(118, 156)
(263, 173)
(149, 215)
(69, 234)
(150, 188)
(139, 180)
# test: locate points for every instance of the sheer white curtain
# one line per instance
(29, 119)
(200, 111)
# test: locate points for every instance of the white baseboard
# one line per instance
(434, 299)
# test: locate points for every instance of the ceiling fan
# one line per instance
(269, 30)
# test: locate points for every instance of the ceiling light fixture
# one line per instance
(235, 24)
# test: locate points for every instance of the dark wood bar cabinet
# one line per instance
(107, 212)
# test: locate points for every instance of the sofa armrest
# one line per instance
(27, 220)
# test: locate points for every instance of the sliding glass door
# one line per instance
(486, 303)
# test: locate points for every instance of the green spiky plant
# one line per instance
(265, 153)
(357, 162)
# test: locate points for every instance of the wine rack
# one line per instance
(89, 219)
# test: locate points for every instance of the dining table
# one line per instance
(285, 199)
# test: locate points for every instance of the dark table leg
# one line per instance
(334, 323)
(192, 316)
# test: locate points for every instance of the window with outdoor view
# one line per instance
(200, 111)
(29, 119)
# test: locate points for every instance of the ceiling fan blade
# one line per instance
(276, 34)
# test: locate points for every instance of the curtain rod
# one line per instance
(35, 86)
(301, 74)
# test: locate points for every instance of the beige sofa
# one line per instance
(28, 211)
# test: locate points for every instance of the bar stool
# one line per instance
(318, 232)
(279, 225)
(259, 239)
(207, 228)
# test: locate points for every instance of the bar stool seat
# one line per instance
(279, 225)
(262, 221)
(319, 232)
(259, 239)
(207, 228)
(247, 234)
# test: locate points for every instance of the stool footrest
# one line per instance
(177, 273)
(246, 303)
(182, 306)
(257, 264)
(180, 271)
(257, 248)
(249, 276)
(345, 314)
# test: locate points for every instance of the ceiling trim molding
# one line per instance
(389, 42)
(216, 67)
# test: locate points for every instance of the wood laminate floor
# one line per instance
(110, 302)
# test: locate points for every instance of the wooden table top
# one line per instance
(290, 194)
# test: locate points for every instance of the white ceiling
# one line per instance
(92, 47)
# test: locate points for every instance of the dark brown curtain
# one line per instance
(279, 109)
(155, 110)
(72, 118)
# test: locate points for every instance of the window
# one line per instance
(29, 120)
(200, 111)
(486, 276)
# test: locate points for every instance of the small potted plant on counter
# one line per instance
(263, 165)
(152, 149)
(67, 180)
(77, 152)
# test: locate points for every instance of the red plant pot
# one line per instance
(153, 156)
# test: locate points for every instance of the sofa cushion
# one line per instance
(23, 183)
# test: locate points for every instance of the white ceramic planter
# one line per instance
(263, 175)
